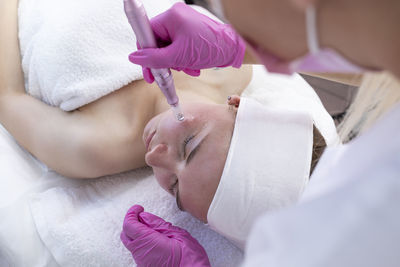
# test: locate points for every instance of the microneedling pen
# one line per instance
(140, 24)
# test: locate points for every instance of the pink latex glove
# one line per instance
(189, 41)
(155, 242)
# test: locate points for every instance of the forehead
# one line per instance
(196, 112)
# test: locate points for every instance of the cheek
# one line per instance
(197, 190)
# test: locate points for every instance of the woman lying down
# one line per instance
(94, 117)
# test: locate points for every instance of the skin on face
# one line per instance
(188, 157)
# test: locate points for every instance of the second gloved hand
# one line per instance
(189, 41)
(155, 242)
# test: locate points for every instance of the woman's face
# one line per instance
(188, 157)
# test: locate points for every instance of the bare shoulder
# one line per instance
(131, 105)
(116, 122)
(216, 84)
(229, 80)
(234, 81)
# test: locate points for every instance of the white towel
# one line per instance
(81, 224)
(76, 51)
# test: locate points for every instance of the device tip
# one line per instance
(178, 112)
(180, 117)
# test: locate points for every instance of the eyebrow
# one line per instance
(195, 150)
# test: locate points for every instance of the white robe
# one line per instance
(349, 214)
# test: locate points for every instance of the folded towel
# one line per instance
(76, 51)
(80, 225)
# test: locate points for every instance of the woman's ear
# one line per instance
(234, 100)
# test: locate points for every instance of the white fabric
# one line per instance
(24, 186)
(15, 162)
(349, 215)
(267, 167)
(20, 173)
(291, 93)
(76, 51)
(81, 225)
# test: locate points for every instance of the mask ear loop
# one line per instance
(311, 28)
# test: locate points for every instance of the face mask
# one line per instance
(317, 60)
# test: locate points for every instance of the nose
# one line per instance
(158, 156)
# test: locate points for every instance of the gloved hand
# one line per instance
(155, 242)
(189, 41)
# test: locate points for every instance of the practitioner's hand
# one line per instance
(189, 41)
(155, 242)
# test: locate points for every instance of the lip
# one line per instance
(148, 140)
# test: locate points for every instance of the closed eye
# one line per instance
(195, 150)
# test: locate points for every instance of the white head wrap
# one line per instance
(267, 167)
